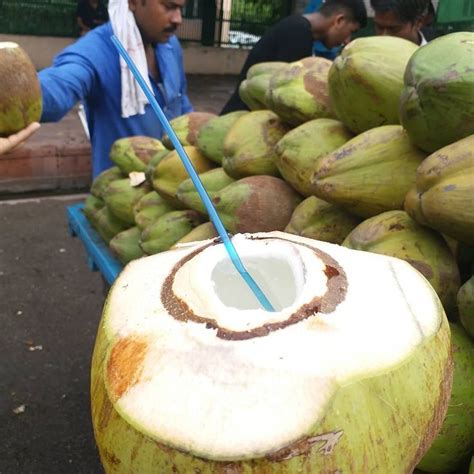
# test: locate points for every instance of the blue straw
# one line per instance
(195, 178)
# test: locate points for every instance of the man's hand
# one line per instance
(7, 144)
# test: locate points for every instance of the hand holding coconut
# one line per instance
(9, 143)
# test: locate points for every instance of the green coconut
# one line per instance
(170, 172)
(121, 197)
(366, 81)
(149, 208)
(317, 219)
(371, 173)
(396, 234)
(300, 92)
(455, 442)
(211, 136)
(465, 301)
(91, 205)
(103, 179)
(249, 146)
(252, 90)
(443, 197)
(299, 150)
(256, 203)
(437, 103)
(187, 128)
(162, 234)
(135, 153)
(213, 181)
(20, 91)
(107, 224)
(201, 232)
(351, 374)
(126, 245)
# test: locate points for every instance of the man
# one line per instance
(90, 14)
(9, 143)
(92, 71)
(401, 18)
(292, 38)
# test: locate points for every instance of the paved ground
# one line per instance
(50, 305)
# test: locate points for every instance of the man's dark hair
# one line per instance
(355, 9)
(406, 10)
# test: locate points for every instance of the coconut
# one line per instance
(352, 372)
(443, 197)
(396, 234)
(103, 179)
(320, 220)
(121, 196)
(201, 232)
(299, 92)
(91, 205)
(187, 128)
(149, 208)
(211, 136)
(299, 150)
(126, 245)
(162, 234)
(170, 172)
(455, 442)
(135, 153)
(252, 90)
(465, 299)
(212, 180)
(20, 93)
(370, 174)
(366, 80)
(437, 103)
(256, 203)
(107, 224)
(249, 146)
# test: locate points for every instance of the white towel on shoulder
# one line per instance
(126, 30)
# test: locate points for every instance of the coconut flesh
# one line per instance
(352, 373)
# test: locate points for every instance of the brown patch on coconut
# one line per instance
(125, 365)
(269, 205)
(327, 303)
(439, 414)
(317, 87)
(144, 147)
(196, 120)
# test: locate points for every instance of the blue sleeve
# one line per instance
(185, 102)
(70, 79)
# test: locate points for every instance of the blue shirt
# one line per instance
(89, 71)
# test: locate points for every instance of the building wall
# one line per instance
(197, 59)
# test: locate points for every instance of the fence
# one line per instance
(235, 23)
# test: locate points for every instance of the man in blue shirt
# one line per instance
(91, 71)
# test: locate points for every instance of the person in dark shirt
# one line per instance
(292, 38)
(90, 13)
(402, 18)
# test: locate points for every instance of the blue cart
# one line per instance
(99, 256)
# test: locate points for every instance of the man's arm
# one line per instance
(71, 78)
(185, 102)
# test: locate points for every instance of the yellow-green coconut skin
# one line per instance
(360, 421)
(21, 102)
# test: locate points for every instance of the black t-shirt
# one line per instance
(288, 40)
(91, 16)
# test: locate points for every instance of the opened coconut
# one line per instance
(351, 374)
(20, 92)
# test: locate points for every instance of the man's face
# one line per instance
(339, 32)
(388, 24)
(157, 20)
